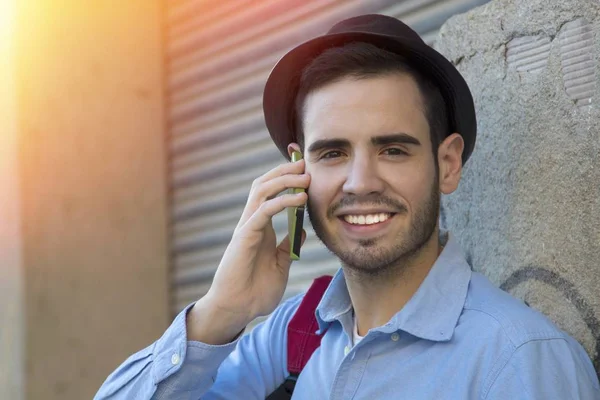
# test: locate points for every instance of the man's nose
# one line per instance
(363, 177)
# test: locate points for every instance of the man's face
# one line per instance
(374, 193)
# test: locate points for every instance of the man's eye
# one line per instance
(332, 154)
(394, 151)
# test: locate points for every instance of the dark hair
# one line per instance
(363, 60)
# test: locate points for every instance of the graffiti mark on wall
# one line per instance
(568, 290)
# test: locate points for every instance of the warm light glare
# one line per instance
(7, 16)
(7, 53)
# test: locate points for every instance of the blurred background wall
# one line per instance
(11, 294)
(85, 256)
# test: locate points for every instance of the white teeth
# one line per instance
(368, 219)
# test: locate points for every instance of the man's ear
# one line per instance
(293, 147)
(450, 162)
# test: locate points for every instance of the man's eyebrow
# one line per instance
(403, 138)
(328, 144)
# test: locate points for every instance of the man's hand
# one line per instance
(253, 273)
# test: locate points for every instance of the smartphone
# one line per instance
(295, 219)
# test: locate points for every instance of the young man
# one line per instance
(385, 124)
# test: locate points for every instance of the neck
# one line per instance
(376, 299)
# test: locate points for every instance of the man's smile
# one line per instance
(366, 219)
(367, 224)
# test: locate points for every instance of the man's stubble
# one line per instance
(369, 258)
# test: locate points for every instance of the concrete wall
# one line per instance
(528, 208)
(92, 183)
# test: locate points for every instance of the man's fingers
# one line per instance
(282, 169)
(271, 188)
(269, 208)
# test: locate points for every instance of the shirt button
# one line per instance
(175, 359)
(346, 350)
(395, 337)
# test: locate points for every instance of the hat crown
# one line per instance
(374, 23)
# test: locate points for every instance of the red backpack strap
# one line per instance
(302, 340)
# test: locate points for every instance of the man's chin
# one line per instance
(362, 254)
(382, 242)
(373, 256)
(339, 243)
(368, 264)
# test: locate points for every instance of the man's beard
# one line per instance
(370, 258)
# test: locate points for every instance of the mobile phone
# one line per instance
(295, 219)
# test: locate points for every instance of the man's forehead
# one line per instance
(398, 85)
(377, 101)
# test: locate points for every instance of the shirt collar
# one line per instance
(433, 311)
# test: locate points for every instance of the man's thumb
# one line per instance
(283, 250)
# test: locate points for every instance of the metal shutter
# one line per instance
(219, 54)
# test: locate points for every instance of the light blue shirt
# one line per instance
(459, 337)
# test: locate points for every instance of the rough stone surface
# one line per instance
(528, 208)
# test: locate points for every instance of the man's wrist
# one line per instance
(206, 324)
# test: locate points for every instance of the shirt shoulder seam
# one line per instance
(519, 340)
(496, 372)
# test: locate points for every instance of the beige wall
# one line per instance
(11, 293)
(92, 189)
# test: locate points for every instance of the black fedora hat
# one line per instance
(382, 31)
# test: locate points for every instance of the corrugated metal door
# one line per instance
(219, 54)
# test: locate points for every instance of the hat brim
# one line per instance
(282, 85)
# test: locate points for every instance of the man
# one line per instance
(385, 124)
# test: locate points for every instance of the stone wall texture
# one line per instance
(527, 211)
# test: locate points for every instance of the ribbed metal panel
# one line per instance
(578, 65)
(528, 53)
(219, 54)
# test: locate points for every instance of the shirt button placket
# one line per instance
(355, 368)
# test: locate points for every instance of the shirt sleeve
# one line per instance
(250, 367)
(553, 369)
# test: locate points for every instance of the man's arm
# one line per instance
(249, 282)
(250, 367)
(144, 375)
(551, 369)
